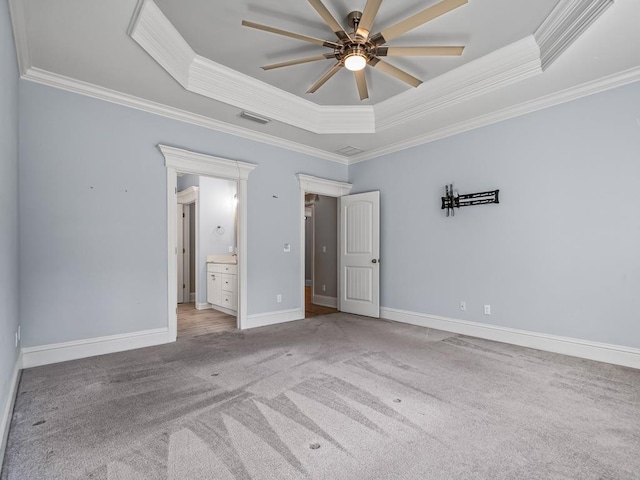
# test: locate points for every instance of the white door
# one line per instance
(180, 257)
(360, 254)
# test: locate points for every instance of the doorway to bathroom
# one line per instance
(206, 261)
(184, 162)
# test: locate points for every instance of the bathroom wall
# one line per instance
(217, 225)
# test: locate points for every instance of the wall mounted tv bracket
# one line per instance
(453, 200)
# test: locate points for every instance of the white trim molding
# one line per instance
(188, 195)
(91, 347)
(272, 318)
(185, 161)
(203, 306)
(7, 413)
(568, 20)
(601, 352)
(325, 301)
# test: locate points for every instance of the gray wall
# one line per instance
(93, 204)
(559, 255)
(8, 205)
(216, 208)
(325, 217)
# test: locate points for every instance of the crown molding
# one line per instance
(568, 20)
(62, 82)
(505, 66)
(574, 93)
(17, 10)
(153, 31)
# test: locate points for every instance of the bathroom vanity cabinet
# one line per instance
(222, 286)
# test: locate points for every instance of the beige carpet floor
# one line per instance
(335, 397)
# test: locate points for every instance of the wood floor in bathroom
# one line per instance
(193, 322)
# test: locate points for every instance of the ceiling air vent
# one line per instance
(349, 151)
(255, 118)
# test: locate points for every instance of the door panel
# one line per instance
(360, 254)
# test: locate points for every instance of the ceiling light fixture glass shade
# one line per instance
(355, 62)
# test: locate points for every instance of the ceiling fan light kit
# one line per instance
(357, 49)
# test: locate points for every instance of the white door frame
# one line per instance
(187, 197)
(184, 161)
(320, 186)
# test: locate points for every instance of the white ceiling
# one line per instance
(83, 46)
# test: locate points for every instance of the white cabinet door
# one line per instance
(214, 288)
(360, 254)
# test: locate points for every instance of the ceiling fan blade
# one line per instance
(332, 71)
(299, 61)
(368, 17)
(330, 19)
(361, 82)
(395, 72)
(297, 36)
(419, 51)
(416, 20)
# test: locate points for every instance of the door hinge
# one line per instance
(184, 251)
(184, 286)
(176, 189)
(183, 215)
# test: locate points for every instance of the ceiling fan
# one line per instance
(357, 49)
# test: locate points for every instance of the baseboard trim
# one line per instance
(7, 413)
(62, 352)
(325, 301)
(601, 352)
(272, 318)
(228, 311)
(203, 306)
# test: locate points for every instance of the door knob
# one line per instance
(374, 261)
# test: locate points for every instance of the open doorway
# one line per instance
(180, 161)
(321, 255)
(207, 280)
(313, 297)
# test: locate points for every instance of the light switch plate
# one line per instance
(287, 248)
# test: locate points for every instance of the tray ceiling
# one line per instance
(520, 56)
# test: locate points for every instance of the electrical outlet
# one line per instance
(286, 248)
(463, 305)
(487, 309)
(324, 249)
(230, 248)
(279, 298)
(16, 339)
(324, 288)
